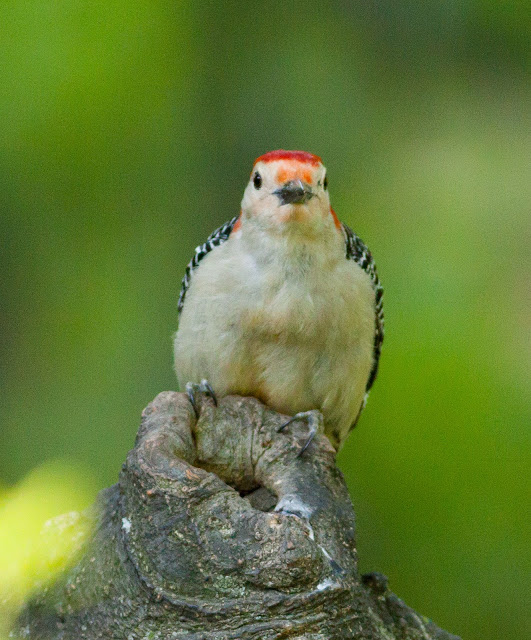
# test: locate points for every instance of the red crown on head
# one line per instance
(281, 154)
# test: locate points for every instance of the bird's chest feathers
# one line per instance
(295, 300)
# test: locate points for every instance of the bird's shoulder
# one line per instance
(215, 239)
(358, 251)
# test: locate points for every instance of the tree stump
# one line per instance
(218, 530)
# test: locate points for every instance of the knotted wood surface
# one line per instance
(218, 530)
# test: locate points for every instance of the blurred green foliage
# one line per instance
(127, 131)
(35, 542)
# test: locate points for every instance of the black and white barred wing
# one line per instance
(359, 252)
(214, 240)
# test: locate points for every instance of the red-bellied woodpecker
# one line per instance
(283, 302)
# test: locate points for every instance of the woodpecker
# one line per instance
(283, 302)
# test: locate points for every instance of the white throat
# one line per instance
(295, 247)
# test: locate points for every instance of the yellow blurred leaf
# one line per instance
(36, 542)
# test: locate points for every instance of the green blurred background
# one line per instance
(127, 134)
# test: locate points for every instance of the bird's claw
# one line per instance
(314, 420)
(193, 388)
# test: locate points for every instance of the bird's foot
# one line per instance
(314, 420)
(193, 388)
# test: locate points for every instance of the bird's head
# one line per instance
(288, 189)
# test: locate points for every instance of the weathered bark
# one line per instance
(218, 530)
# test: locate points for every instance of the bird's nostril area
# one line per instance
(294, 188)
(294, 192)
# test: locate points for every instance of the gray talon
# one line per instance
(193, 388)
(314, 420)
(206, 387)
(190, 392)
(283, 426)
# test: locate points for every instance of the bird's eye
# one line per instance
(325, 183)
(257, 180)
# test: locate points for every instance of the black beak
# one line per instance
(294, 192)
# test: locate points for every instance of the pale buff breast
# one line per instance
(297, 338)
